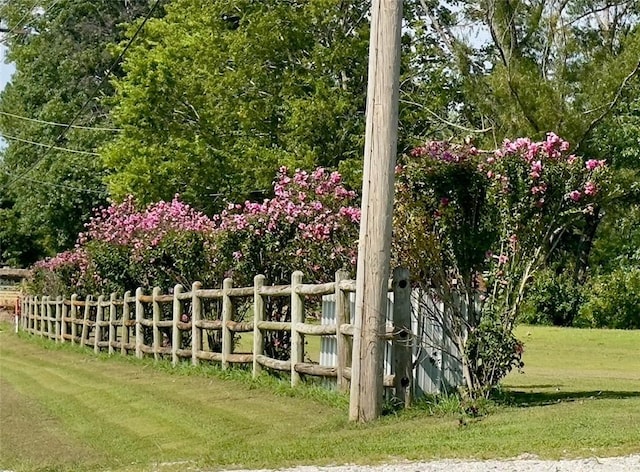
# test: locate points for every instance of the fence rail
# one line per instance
(184, 325)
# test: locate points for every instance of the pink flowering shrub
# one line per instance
(55, 274)
(311, 224)
(164, 244)
(124, 248)
(475, 227)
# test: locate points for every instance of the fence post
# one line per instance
(196, 316)
(98, 330)
(30, 315)
(343, 345)
(297, 316)
(112, 321)
(43, 315)
(156, 319)
(227, 316)
(58, 322)
(35, 303)
(74, 318)
(64, 318)
(176, 334)
(23, 312)
(139, 316)
(51, 321)
(126, 316)
(36, 315)
(85, 321)
(258, 316)
(403, 339)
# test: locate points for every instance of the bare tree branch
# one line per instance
(446, 35)
(611, 105)
(449, 123)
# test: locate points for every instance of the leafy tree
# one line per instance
(572, 67)
(220, 94)
(475, 229)
(62, 60)
(18, 244)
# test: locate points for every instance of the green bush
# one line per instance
(554, 299)
(613, 300)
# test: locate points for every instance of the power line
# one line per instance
(21, 21)
(52, 184)
(53, 123)
(91, 97)
(57, 148)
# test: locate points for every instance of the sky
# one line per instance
(5, 69)
(5, 75)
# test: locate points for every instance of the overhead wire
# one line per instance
(91, 97)
(54, 123)
(57, 148)
(22, 20)
(66, 186)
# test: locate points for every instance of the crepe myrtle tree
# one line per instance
(475, 227)
(311, 224)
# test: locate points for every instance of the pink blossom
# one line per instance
(536, 169)
(575, 195)
(590, 188)
(538, 189)
(593, 164)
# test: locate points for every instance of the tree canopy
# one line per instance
(218, 95)
(212, 97)
(50, 174)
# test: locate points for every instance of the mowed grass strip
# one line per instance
(579, 395)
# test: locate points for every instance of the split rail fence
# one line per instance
(199, 325)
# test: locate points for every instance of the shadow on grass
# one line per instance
(517, 398)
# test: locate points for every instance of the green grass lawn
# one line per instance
(65, 409)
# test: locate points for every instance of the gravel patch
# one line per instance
(525, 463)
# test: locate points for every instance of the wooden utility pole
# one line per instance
(374, 246)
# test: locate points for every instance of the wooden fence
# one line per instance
(180, 327)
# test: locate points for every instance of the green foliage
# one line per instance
(554, 299)
(112, 264)
(19, 244)
(182, 257)
(613, 299)
(475, 229)
(492, 351)
(222, 125)
(60, 52)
